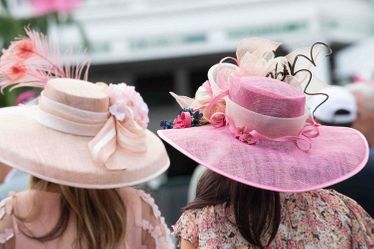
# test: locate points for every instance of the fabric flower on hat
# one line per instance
(186, 118)
(245, 136)
(219, 107)
(183, 120)
(218, 119)
(126, 103)
(255, 56)
(202, 97)
(201, 102)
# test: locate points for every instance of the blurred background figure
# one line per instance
(364, 95)
(352, 106)
(12, 180)
(360, 187)
(167, 45)
(340, 109)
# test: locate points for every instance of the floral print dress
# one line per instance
(317, 219)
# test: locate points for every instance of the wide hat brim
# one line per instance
(336, 154)
(65, 159)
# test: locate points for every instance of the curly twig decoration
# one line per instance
(292, 67)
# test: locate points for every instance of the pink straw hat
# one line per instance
(80, 134)
(257, 131)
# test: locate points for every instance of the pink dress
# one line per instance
(312, 220)
(145, 226)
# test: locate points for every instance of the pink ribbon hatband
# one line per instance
(251, 127)
(302, 141)
(107, 132)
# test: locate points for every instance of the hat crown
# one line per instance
(79, 94)
(267, 96)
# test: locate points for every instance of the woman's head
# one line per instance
(93, 211)
(257, 211)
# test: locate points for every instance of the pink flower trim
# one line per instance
(127, 103)
(163, 241)
(183, 120)
(6, 235)
(218, 119)
(246, 136)
(6, 208)
(302, 141)
(155, 232)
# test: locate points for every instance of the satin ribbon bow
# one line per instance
(109, 134)
(118, 132)
(126, 135)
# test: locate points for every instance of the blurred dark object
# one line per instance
(180, 164)
(343, 109)
(171, 198)
(155, 88)
(360, 187)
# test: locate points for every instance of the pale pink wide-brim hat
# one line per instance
(57, 140)
(268, 142)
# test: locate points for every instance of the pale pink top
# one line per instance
(145, 226)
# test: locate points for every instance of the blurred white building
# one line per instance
(136, 30)
(171, 43)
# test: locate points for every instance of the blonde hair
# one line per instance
(99, 214)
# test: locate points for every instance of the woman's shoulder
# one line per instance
(326, 216)
(200, 219)
(321, 199)
(146, 216)
(141, 204)
(137, 198)
(209, 227)
(326, 204)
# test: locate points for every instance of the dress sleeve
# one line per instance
(186, 228)
(6, 224)
(362, 225)
(156, 234)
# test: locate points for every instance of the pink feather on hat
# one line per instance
(79, 134)
(33, 60)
